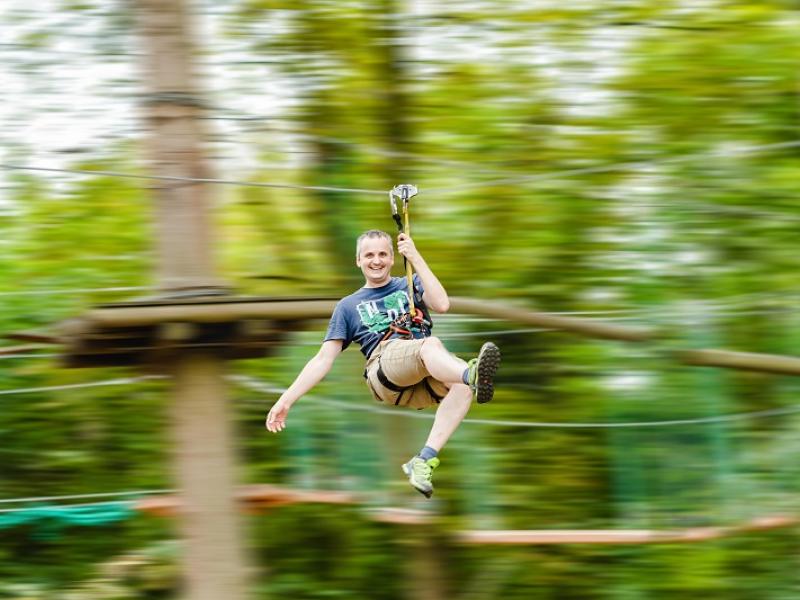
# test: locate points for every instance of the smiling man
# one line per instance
(406, 366)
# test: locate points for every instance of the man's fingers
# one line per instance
(275, 423)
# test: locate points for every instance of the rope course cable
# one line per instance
(32, 499)
(76, 386)
(268, 388)
(611, 167)
(193, 179)
(18, 356)
(449, 189)
(63, 291)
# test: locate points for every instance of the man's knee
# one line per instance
(461, 391)
(432, 344)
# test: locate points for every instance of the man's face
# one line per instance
(375, 259)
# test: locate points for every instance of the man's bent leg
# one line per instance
(440, 363)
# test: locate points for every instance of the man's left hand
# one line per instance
(406, 247)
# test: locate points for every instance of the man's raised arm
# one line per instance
(435, 295)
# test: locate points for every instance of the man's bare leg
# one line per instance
(450, 370)
(451, 411)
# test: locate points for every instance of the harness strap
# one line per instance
(389, 384)
(385, 381)
(433, 394)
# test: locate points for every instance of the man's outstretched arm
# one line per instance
(314, 372)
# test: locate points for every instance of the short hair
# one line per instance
(373, 233)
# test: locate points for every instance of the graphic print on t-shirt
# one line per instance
(377, 318)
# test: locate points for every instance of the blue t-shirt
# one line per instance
(365, 315)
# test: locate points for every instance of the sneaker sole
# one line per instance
(488, 362)
(409, 473)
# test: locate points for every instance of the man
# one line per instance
(406, 366)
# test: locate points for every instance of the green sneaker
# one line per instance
(482, 370)
(419, 473)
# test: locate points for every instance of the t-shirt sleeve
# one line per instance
(338, 326)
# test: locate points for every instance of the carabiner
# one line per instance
(403, 192)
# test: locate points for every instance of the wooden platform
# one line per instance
(258, 498)
(146, 332)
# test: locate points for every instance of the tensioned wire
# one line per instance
(473, 185)
(179, 179)
(33, 499)
(73, 386)
(75, 291)
(268, 388)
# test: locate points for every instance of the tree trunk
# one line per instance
(214, 565)
(172, 108)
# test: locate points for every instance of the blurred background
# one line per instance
(634, 163)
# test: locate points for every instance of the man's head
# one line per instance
(375, 257)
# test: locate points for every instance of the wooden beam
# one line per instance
(241, 309)
(41, 337)
(264, 497)
(277, 309)
(587, 327)
(532, 537)
(293, 309)
(9, 350)
(746, 361)
(256, 497)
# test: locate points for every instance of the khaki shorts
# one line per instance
(409, 382)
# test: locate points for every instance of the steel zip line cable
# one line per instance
(478, 184)
(267, 388)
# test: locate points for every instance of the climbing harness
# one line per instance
(416, 319)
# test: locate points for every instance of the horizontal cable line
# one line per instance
(13, 356)
(127, 503)
(64, 291)
(644, 424)
(609, 168)
(535, 177)
(265, 387)
(469, 334)
(473, 185)
(74, 386)
(194, 180)
(84, 496)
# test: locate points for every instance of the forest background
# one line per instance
(633, 162)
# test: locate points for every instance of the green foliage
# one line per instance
(579, 158)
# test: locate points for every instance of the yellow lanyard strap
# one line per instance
(409, 270)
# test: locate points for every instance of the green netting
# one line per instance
(49, 520)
